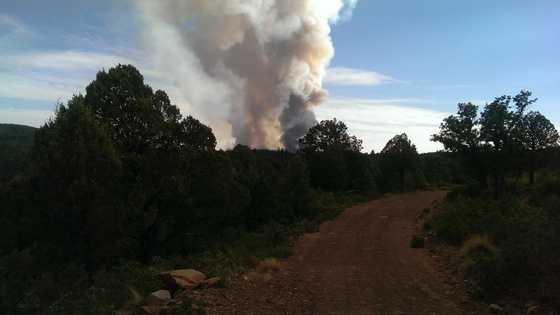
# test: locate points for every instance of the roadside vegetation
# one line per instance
(505, 220)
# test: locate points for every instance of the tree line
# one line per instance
(503, 141)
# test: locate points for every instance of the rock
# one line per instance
(179, 294)
(212, 282)
(151, 310)
(174, 303)
(495, 308)
(184, 279)
(160, 297)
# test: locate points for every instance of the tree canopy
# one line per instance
(539, 132)
(399, 157)
(329, 135)
(494, 141)
(76, 169)
(139, 119)
(459, 133)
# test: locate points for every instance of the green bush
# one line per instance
(482, 262)
(520, 246)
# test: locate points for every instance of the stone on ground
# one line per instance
(160, 297)
(495, 308)
(183, 279)
(212, 282)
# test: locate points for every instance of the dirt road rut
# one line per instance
(360, 263)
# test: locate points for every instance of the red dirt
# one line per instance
(360, 263)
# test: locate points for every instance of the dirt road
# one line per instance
(360, 263)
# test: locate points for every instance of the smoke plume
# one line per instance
(252, 69)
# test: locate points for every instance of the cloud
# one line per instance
(11, 25)
(68, 60)
(452, 87)
(376, 121)
(356, 77)
(39, 87)
(52, 76)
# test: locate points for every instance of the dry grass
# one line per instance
(269, 265)
(474, 249)
(264, 270)
(478, 244)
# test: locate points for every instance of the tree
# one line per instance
(138, 119)
(219, 199)
(503, 126)
(399, 156)
(502, 129)
(195, 136)
(159, 150)
(458, 133)
(362, 171)
(295, 190)
(76, 169)
(496, 123)
(121, 100)
(329, 135)
(461, 134)
(499, 138)
(539, 134)
(15, 144)
(326, 147)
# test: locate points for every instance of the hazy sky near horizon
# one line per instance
(400, 65)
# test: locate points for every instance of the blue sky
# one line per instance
(400, 65)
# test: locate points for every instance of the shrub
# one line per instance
(478, 244)
(482, 261)
(452, 224)
(520, 246)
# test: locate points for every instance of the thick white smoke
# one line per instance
(252, 69)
